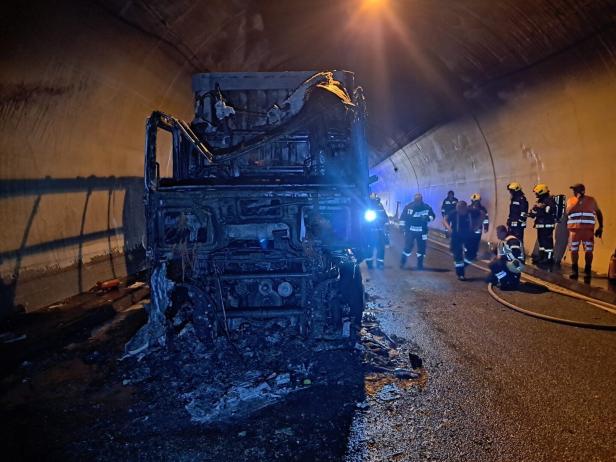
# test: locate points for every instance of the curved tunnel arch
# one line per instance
(79, 78)
(529, 131)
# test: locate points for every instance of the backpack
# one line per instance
(561, 205)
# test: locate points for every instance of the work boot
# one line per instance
(380, 264)
(402, 261)
(369, 263)
(420, 265)
(538, 259)
(574, 272)
(587, 274)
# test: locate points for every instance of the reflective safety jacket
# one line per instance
(544, 212)
(581, 213)
(510, 249)
(416, 216)
(485, 219)
(449, 205)
(518, 211)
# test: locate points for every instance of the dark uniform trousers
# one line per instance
(545, 239)
(517, 231)
(505, 278)
(472, 247)
(474, 241)
(414, 233)
(460, 242)
(376, 242)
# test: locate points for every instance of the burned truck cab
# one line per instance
(255, 209)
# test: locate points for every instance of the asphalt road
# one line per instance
(495, 385)
(501, 386)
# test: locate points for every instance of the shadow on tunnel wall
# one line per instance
(132, 229)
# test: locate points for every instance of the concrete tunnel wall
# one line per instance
(552, 123)
(73, 102)
(78, 79)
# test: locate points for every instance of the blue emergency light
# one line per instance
(370, 215)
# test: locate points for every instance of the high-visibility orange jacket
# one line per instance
(581, 213)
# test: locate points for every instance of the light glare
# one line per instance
(370, 215)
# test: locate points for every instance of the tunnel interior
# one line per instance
(467, 97)
(182, 310)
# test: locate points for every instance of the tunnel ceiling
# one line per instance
(419, 60)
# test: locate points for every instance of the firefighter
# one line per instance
(481, 224)
(377, 232)
(414, 221)
(582, 215)
(544, 214)
(449, 204)
(518, 211)
(507, 266)
(461, 224)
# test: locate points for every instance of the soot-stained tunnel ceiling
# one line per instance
(420, 61)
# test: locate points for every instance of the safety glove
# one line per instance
(599, 232)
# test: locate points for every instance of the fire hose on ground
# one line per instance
(609, 307)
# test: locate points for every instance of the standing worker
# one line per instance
(581, 213)
(377, 234)
(460, 225)
(449, 204)
(544, 213)
(481, 224)
(518, 211)
(414, 221)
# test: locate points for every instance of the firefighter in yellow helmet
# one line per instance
(544, 213)
(518, 211)
(481, 223)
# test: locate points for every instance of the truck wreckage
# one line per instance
(262, 217)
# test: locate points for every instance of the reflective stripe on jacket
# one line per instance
(581, 214)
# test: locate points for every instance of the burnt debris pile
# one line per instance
(235, 375)
(264, 363)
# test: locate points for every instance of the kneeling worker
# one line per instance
(508, 264)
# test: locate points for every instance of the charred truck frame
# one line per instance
(262, 214)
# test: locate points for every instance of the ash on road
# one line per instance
(442, 372)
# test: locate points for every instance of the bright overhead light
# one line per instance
(373, 3)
